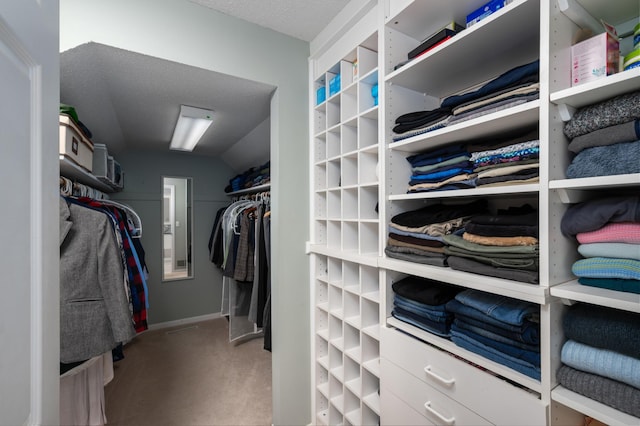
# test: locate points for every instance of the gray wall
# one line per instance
(182, 31)
(174, 300)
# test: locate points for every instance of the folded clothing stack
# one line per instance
(418, 235)
(499, 328)
(608, 231)
(441, 169)
(504, 245)
(421, 302)
(601, 358)
(605, 138)
(514, 87)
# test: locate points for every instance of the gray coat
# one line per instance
(94, 307)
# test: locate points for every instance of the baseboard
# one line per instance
(184, 321)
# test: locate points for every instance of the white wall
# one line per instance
(181, 31)
(251, 150)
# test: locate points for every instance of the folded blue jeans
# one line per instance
(474, 346)
(438, 329)
(526, 333)
(504, 309)
(529, 356)
(510, 338)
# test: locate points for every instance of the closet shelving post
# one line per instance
(566, 18)
(344, 246)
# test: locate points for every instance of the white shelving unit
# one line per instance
(358, 345)
(345, 236)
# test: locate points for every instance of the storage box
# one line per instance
(486, 10)
(594, 58)
(321, 95)
(334, 85)
(74, 145)
(100, 161)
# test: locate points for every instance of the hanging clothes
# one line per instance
(238, 246)
(94, 308)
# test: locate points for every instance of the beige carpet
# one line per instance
(191, 375)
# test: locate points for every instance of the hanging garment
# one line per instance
(94, 311)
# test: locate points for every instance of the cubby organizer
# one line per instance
(369, 367)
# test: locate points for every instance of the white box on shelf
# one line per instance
(74, 145)
(100, 155)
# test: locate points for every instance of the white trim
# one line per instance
(184, 321)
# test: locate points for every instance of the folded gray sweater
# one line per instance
(620, 133)
(611, 112)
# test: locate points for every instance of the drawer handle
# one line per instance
(450, 421)
(446, 382)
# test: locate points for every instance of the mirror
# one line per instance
(177, 220)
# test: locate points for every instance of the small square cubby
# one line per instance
(334, 204)
(335, 301)
(370, 283)
(369, 202)
(322, 320)
(349, 103)
(369, 238)
(371, 354)
(349, 137)
(322, 351)
(352, 347)
(370, 391)
(350, 236)
(334, 234)
(320, 204)
(350, 276)
(349, 170)
(368, 133)
(350, 204)
(322, 409)
(352, 309)
(333, 143)
(368, 172)
(352, 408)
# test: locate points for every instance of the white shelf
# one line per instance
(486, 45)
(598, 182)
(451, 347)
(488, 125)
(72, 171)
(574, 291)
(373, 367)
(530, 292)
(530, 188)
(592, 408)
(373, 402)
(598, 90)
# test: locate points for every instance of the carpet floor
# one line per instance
(191, 375)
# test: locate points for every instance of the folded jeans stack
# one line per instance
(421, 302)
(499, 328)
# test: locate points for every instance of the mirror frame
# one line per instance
(190, 271)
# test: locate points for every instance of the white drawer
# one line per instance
(432, 404)
(396, 412)
(493, 398)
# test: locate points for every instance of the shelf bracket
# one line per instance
(574, 11)
(570, 196)
(568, 302)
(566, 112)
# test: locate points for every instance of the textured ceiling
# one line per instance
(302, 19)
(131, 100)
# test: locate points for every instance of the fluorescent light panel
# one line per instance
(191, 125)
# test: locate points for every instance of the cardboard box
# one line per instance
(74, 145)
(595, 58)
(482, 12)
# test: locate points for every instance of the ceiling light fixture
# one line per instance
(191, 125)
